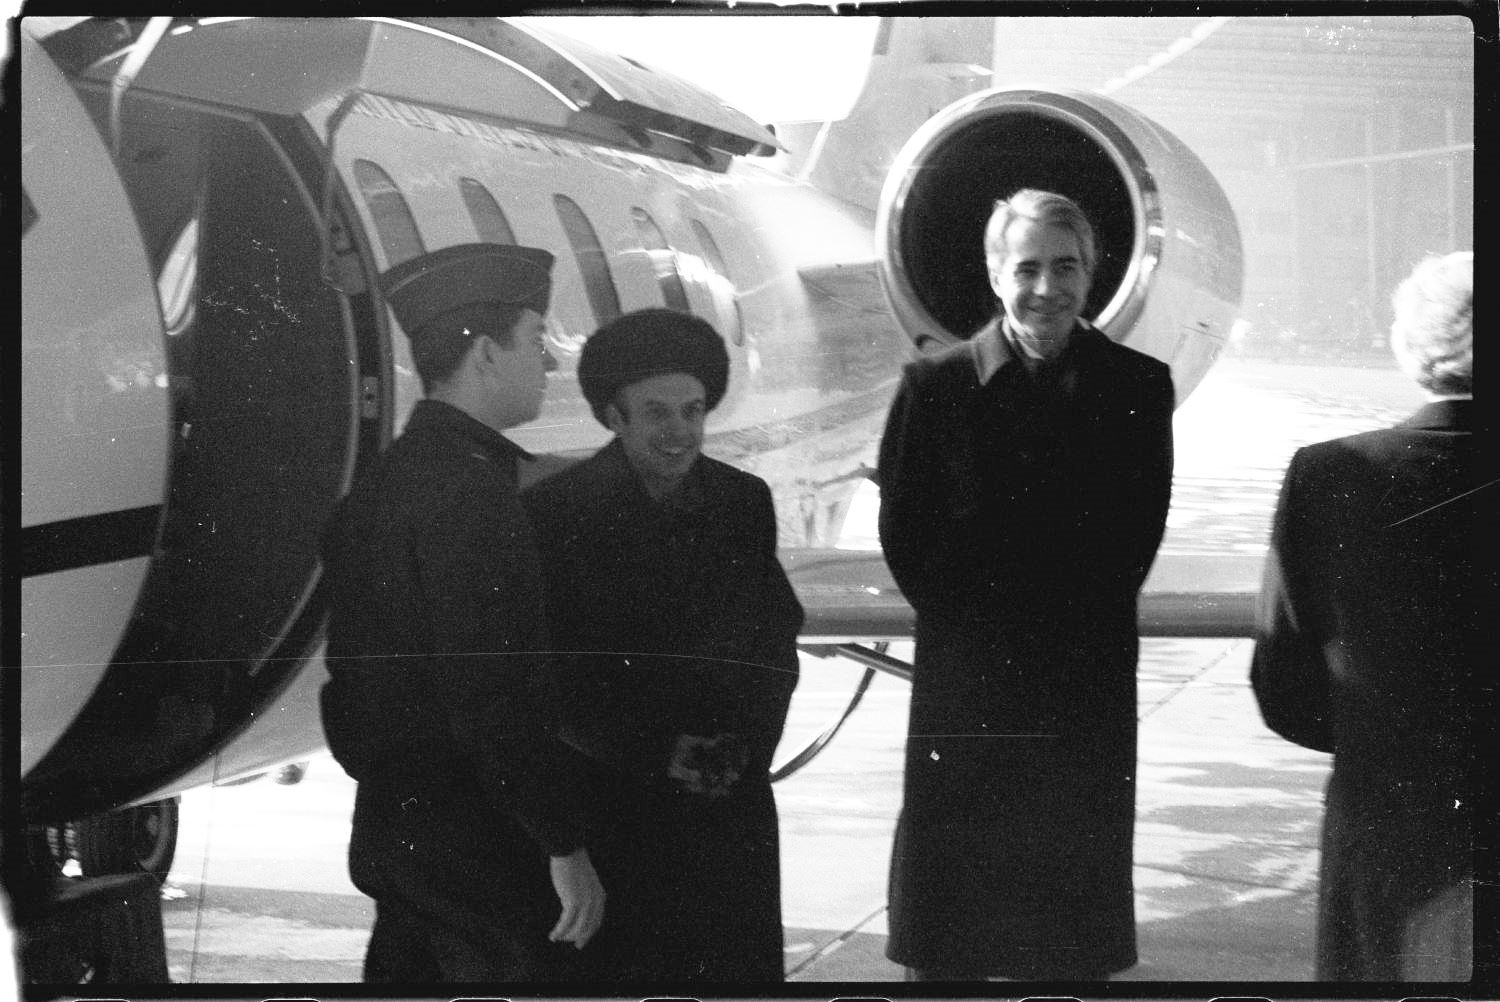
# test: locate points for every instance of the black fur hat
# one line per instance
(652, 342)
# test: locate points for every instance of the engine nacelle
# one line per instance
(1168, 278)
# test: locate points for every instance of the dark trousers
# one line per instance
(409, 947)
(456, 898)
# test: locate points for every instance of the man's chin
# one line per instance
(1052, 333)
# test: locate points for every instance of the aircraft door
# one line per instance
(264, 375)
(94, 409)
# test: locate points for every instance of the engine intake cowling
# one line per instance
(1168, 278)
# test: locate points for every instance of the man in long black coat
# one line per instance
(1368, 647)
(675, 629)
(467, 828)
(1024, 483)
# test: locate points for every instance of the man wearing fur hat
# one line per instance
(467, 827)
(676, 629)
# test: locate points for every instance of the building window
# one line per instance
(592, 261)
(399, 237)
(663, 261)
(489, 222)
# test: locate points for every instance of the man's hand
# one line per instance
(582, 897)
(684, 765)
(709, 766)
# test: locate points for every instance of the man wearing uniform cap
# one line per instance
(467, 827)
(676, 629)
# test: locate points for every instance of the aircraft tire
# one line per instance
(137, 839)
(46, 849)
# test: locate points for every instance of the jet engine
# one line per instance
(1168, 278)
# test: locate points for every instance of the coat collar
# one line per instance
(1443, 415)
(992, 350)
(451, 420)
(619, 476)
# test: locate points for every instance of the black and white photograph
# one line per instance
(640, 501)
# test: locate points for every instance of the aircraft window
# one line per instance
(489, 222)
(177, 280)
(663, 261)
(722, 284)
(592, 261)
(399, 236)
(28, 212)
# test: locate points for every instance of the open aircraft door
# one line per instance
(246, 393)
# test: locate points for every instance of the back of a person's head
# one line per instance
(1432, 335)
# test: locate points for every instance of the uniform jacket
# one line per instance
(439, 703)
(673, 618)
(1367, 647)
(1019, 518)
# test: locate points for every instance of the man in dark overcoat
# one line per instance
(1368, 647)
(467, 831)
(675, 629)
(1024, 480)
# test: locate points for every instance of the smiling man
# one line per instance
(1024, 483)
(675, 630)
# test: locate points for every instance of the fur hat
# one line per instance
(652, 342)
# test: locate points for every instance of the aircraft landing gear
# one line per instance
(136, 839)
(89, 909)
(133, 840)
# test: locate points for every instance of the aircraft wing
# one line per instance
(850, 597)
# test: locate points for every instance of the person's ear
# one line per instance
(614, 418)
(488, 351)
(994, 273)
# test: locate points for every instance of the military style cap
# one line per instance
(651, 342)
(429, 285)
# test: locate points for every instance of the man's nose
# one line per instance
(549, 364)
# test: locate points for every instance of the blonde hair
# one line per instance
(1432, 335)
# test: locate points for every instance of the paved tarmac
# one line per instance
(1226, 845)
(1226, 833)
